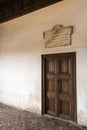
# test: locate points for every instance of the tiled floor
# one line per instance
(15, 119)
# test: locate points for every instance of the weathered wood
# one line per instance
(64, 97)
(51, 95)
(58, 85)
(10, 9)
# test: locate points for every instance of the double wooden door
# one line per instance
(58, 85)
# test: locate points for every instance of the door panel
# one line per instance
(51, 83)
(65, 96)
(59, 90)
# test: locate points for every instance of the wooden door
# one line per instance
(58, 85)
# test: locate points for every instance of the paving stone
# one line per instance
(4, 128)
(15, 119)
(13, 128)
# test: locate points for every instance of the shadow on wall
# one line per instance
(19, 69)
(19, 39)
(17, 47)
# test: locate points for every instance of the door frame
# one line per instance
(43, 59)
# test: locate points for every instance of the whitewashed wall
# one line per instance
(21, 46)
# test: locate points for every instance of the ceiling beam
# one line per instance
(10, 9)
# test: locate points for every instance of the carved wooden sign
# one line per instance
(58, 36)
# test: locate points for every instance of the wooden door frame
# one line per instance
(43, 57)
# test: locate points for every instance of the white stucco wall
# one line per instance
(21, 46)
